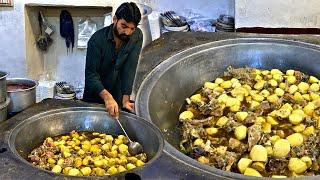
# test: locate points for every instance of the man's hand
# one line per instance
(112, 107)
(127, 104)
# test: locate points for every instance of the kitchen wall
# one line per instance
(15, 38)
(277, 14)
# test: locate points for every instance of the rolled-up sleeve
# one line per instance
(129, 68)
(92, 80)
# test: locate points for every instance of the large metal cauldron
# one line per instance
(22, 98)
(32, 131)
(162, 94)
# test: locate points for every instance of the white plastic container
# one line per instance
(44, 90)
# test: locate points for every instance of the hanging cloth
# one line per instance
(67, 29)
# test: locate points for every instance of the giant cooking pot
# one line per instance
(28, 134)
(162, 93)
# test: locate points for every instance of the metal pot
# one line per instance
(23, 137)
(21, 98)
(4, 109)
(162, 93)
(3, 86)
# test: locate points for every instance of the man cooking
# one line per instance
(111, 61)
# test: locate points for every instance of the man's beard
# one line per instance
(123, 36)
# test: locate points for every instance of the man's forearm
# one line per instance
(105, 95)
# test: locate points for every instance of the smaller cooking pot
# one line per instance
(22, 92)
(3, 87)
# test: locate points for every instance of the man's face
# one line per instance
(123, 30)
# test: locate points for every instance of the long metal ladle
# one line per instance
(134, 147)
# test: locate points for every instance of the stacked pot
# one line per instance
(4, 99)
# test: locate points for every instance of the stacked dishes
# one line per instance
(225, 23)
(173, 22)
(4, 100)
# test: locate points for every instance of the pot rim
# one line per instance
(5, 75)
(24, 79)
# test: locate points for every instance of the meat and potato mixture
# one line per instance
(255, 122)
(86, 154)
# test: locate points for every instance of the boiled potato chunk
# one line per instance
(252, 172)
(259, 153)
(86, 171)
(186, 115)
(73, 172)
(281, 148)
(295, 139)
(259, 166)
(240, 132)
(297, 165)
(241, 116)
(211, 131)
(243, 164)
(56, 169)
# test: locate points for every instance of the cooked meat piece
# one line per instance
(254, 135)
(251, 118)
(310, 121)
(223, 160)
(237, 146)
(301, 76)
(289, 98)
(277, 166)
(245, 75)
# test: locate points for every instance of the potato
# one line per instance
(314, 87)
(243, 164)
(196, 98)
(283, 113)
(86, 171)
(112, 170)
(309, 109)
(298, 97)
(295, 139)
(260, 120)
(66, 154)
(273, 98)
(211, 131)
(266, 127)
(281, 148)
(226, 84)
(56, 169)
(121, 169)
(78, 162)
(132, 160)
(123, 149)
(130, 166)
(112, 154)
(98, 163)
(222, 121)
(198, 142)
(108, 138)
(303, 87)
(259, 85)
(265, 72)
(279, 92)
(293, 89)
(106, 147)
(272, 121)
(118, 142)
(296, 118)
(241, 116)
(223, 98)
(307, 160)
(235, 108)
(259, 153)
(210, 85)
(95, 149)
(299, 128)
(265, 93)
(273, 82)
(259, 166)
(51, 161)
(99, 171)
(257, 97)
(186, 115)
(240, 132)
(297, 165)
(252, 172)
(291, 79)
(277, 77)
(269, 150)
(283, 86)
(258, 77)
(290, 72)
(111, 162)
(219, 81)
(73, 172)
(308, 131)
(314, 96)
(274, 138)
(139, 163)
(313, 79)
(233, 102)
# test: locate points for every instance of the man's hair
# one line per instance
(129, 12)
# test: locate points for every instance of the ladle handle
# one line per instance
(123, 128)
